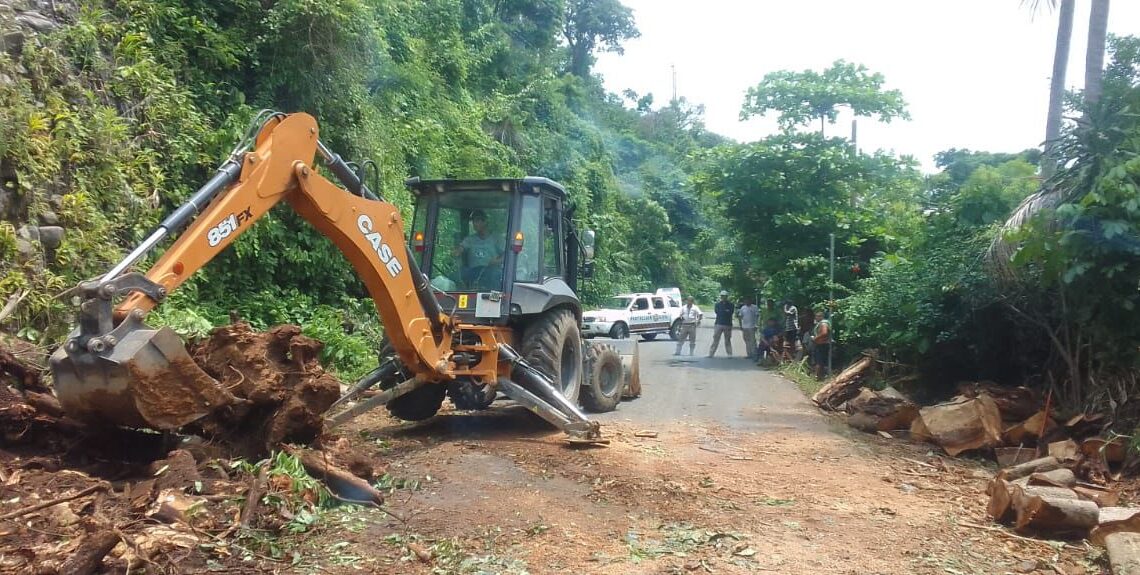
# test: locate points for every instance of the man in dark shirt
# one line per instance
(723, 324)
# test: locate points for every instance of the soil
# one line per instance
(282, 389)
(718, 468)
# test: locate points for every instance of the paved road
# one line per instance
(730, 391)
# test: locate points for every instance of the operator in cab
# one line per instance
(480, 255)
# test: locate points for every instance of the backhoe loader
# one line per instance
(479, 299)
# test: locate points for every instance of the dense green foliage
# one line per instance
(122, 113)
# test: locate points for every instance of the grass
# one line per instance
(800, 374)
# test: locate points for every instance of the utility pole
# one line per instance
(674, 68)
(830, 299)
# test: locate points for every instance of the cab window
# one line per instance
(641, 304)
(658, 303)
(526, 270)
(674, 303)
(551, 255)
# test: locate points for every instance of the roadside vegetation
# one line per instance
(116, 116)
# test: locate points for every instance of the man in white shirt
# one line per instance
(749, 316)
(690, 316)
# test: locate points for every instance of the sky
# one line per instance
(975, 73)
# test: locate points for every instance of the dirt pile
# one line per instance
(76, 499)
(282, 389)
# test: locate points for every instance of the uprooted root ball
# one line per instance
(281, 386)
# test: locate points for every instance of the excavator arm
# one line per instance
(114, 368)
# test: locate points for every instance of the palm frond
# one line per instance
(999, 256)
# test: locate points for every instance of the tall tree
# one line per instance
(803, 97)
(591, 25)
(1094, 57)
(1057, 85)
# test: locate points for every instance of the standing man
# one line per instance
(722, 325)
(821, 340)
(749, 316)
(690, 315)
(791, 327)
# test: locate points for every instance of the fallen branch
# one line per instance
(90, 552)
(10, 306)
(51, 502)
(253, 497)
(1049, 544)
(340, 481)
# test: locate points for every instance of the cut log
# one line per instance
(1029, 431)
(1026, 469)
(1085, 425)
(845, 385)
(1010, 456)
(964, 425)
(1053, 515)
(1124, 553)
(1115, 520)
(1114, 451)
(882, 414)
(1102, 497)
(1056, 478)
(341, 482)
(1005, 496)
(1066, 450)
(1014, 403)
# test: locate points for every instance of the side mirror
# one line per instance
(588, 239)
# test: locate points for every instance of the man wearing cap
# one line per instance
(690, 316)
(483, 251)
(722, 325)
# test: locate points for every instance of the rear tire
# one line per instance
(648, 336)
(553, 345)
(602, 391)
(619, 331)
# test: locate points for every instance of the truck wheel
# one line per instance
(649, 336)
(553, 345)
(602, 391)
(675, 330)
(619, 331)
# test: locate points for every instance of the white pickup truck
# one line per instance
(644, 314)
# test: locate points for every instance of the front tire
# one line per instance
(602, 391)
(619, 331)
(553, 345)
(419, 404)
(675, 330)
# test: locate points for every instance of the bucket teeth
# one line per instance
(146, 380)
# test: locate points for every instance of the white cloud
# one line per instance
(974, 72)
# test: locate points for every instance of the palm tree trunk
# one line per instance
(1057, 87)
(1094, 58)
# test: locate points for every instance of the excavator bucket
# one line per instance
(631, 373)
(145, 379)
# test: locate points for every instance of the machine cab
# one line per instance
(496, 249)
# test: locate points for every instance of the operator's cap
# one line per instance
(723, 292)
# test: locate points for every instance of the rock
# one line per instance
(62, 515)
(37, 21)
(28, 233)
(13, 42)
(25, 248)
(51, 236)
(48, 218)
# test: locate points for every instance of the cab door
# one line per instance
(660, 315)
(640, 314)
